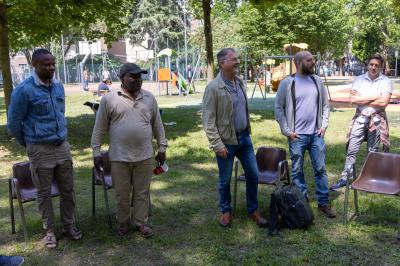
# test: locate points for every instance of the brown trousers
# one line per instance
(50, 162)
(136, 174)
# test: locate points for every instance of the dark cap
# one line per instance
(131, 68)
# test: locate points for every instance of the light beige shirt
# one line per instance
(131, 125)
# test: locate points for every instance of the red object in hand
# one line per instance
(160, 168)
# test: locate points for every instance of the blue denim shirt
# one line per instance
(37, 113)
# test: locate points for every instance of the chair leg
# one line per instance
(355, 192)
(346, 195)
(133, 197)
(346, 201)
(235, 185)
(11, 206)
(356, 202)
(21, 209)
(106, 200)
(93, 195)
(76, 214)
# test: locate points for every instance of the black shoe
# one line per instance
(339, 184)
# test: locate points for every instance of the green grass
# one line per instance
(185, 209)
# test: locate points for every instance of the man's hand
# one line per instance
(354, 93)
(293, 136)
(223, 153)
(321, 132)
(98, 162)
(161, 157)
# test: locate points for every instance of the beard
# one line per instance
(308, 71)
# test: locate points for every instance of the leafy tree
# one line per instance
(31, 23)
(161, 19)
(376, 28)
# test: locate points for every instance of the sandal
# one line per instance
(72, 233)
(50, 240)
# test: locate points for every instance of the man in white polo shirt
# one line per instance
(371, 93)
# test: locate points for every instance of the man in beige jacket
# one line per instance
(227, 126)
(131, 118)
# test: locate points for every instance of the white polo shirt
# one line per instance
(367, 87)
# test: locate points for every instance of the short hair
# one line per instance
(377, 57)
(221, 55)
(300, 56)
(38, 53)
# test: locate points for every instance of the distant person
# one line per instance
(226, 123)
(131, 118)
(106, 74)
(190, 76)
(104, 87)
(86, 77)
(36, 118)
(302, 111)
(371, 93)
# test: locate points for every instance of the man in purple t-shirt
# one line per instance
(302, 111)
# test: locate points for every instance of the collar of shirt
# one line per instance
(230, 86)
(366, 76)
(39, 82)
(139, 97)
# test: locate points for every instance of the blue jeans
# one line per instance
(245, 153)
(316, 148)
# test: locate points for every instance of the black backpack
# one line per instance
(289, 202)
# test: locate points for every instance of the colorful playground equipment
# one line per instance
(270, 76)
(169, 79)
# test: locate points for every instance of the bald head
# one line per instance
(304, 62)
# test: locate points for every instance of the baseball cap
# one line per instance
(131, 68)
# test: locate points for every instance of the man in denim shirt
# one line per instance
(36, 118)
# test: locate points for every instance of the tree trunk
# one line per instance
(208, 36)
(252, 70)
(5, 54)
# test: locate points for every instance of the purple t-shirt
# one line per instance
(306, 104)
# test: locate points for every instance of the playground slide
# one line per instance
(181, 82)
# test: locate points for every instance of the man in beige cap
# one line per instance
(131, 117)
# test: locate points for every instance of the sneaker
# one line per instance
(11, 260)
(339, 184)
(226, 219)
(327, 211)
(72, 232)
(123, 229)
(145, 231)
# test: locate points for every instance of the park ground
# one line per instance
(184, 200)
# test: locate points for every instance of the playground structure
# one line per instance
(172, 79)
(269, 76)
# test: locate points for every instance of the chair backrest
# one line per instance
(383, 168)
(22, 173)
(268, 158)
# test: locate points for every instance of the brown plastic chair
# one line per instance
(102, 177)
(21, 187)
(379, 174)
(272, 168)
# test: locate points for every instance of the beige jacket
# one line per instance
(218, 121)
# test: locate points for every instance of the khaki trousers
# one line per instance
(48, 161)
(137, 175)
